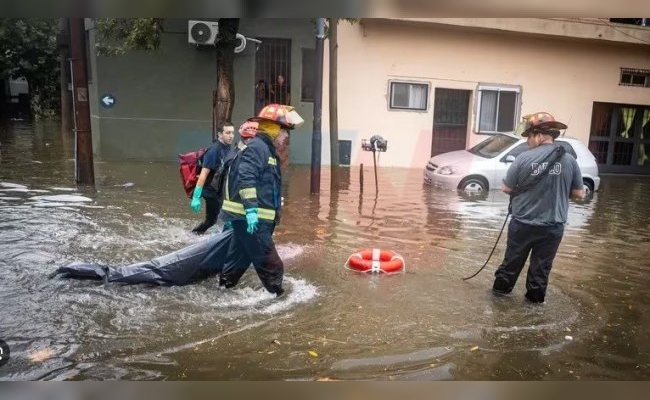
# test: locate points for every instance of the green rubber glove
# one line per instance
(196, 199)
(251, 219)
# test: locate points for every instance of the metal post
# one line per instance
(361, 178)
(84, 173)
(374, 160)
(318, 108)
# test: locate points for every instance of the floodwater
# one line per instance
(425, 324)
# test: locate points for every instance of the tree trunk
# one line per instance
(64, 54)
(224, 96)
(333, 82)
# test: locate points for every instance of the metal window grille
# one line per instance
(272, 61)
(623, 153)
(634, 77)
(599, 150)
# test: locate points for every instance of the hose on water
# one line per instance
(493, 248)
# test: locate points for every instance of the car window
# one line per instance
(518, 150)
(493, 146)
(567, 146)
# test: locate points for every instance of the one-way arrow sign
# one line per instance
(108, 100)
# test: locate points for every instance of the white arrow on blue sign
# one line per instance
(108, 100)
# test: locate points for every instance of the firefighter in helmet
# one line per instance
(253, 199)
(539, 209)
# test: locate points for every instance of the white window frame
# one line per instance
(407, 82)
(498, 88)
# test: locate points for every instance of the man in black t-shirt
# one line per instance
(209, 165)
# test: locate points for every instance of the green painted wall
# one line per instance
(164, 98)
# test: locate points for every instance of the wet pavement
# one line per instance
(333, 323)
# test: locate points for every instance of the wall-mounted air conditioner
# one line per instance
(202, 32)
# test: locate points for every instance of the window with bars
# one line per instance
(408, 96)
(620, 137)
(273, 72)
(599, 149)
(497, 109)
(634, 77)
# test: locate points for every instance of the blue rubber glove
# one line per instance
(196, 199)
(251, 219)
(227, 225)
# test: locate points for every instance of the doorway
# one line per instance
(450, 117)
(620, 137)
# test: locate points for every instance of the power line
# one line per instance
(606, 22)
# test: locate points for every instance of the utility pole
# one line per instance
(84, 169)
(316, 138)
(333, 83)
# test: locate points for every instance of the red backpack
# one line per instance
(190, 167)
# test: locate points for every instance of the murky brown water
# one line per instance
(419, 325)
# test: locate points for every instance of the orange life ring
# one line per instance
(376, 260)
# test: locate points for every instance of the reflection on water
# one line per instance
(424, 324)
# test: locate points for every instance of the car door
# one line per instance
(501, 168)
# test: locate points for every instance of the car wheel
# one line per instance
(473, 186)
(588, 187)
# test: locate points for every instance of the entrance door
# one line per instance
(272, 73)
(620, 137)
(450, 116)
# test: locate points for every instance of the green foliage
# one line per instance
(118, 35)
(28, 49)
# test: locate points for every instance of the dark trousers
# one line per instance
(257, 248)
(541, 242)
(212, 208)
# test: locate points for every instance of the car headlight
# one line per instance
(447, 170)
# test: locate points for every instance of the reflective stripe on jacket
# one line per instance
(254, 181)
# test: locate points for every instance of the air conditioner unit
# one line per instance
(202, 32)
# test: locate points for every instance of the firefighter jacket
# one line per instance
(254, 181)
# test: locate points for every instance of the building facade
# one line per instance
(439, 84)
(426, 85)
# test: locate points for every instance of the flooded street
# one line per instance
(426, 324)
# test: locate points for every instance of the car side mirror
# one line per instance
(509, 158)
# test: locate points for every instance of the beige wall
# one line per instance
(563, 77)
(581, 28)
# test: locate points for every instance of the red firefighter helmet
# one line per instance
(248, 129)
(286, 116)
(541, 122)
